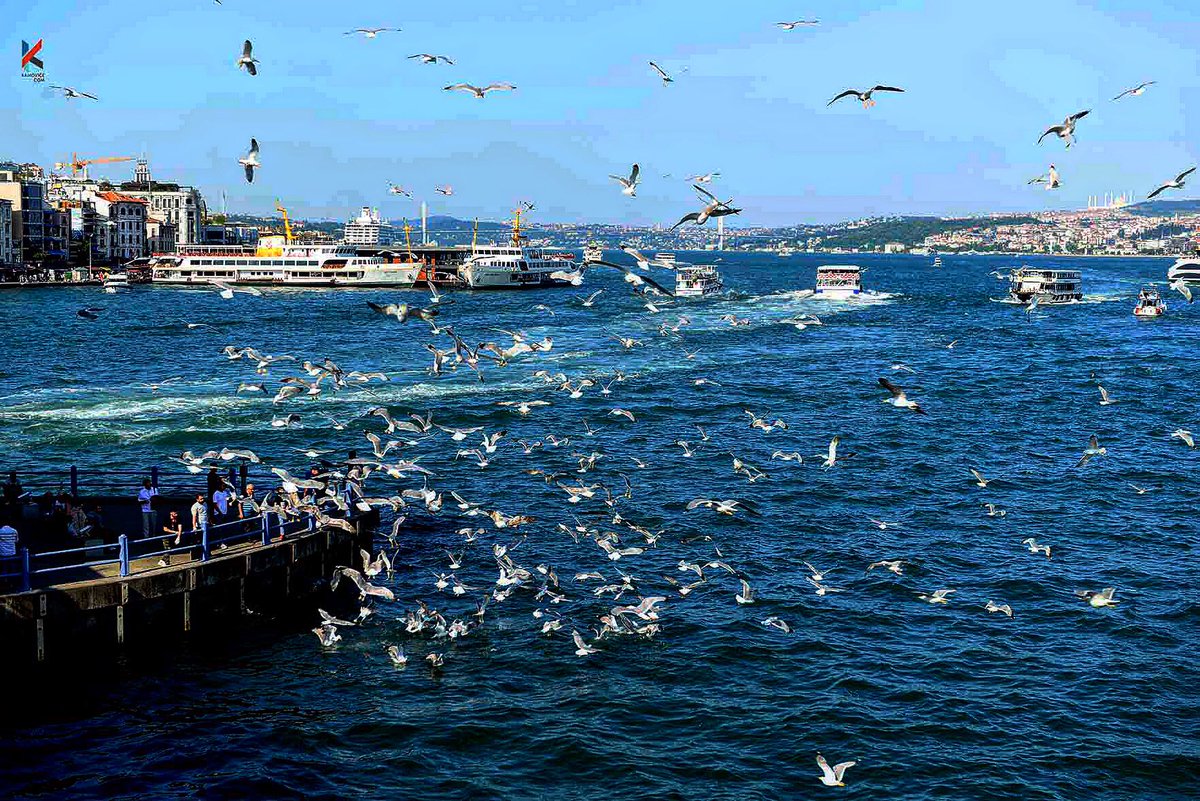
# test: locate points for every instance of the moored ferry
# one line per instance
(1186, 269)
(1149, 304)
(515, 266)
(288, 265)
(838, 281)
(1048, 286)
(697, 280)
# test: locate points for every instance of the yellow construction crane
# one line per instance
(79, 165)
(287, 225)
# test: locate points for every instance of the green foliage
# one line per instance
(912, 230)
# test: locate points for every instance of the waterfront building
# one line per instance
(7, 257)
(229, 234)
(129, 214)
(367, 229)
(23, 187)
(161, 236)
(182, 206)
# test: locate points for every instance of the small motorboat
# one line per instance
(1149, 304)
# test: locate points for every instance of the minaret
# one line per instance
(721, 233)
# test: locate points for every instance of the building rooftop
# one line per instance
(117, 197)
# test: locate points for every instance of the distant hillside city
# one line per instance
(64, 219)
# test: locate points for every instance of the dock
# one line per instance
(106, 599)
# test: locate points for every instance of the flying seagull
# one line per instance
(1098, 599)
(1050, 179)
(666, 79)
(369, 33)
(250, 160)
(791, 26)
(898, 398)
(712, 208)
(832, 776)
(446, 190)
(480, 91)
(1135, 91)
(247, 61)
(628, 185)
(1180, 286)
(396, 189)
(70, 93)
(864, 97)
(1066, 129)
(430, 58)
(1093, 449)
(704, 179)
(1176, 184)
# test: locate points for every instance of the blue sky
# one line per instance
(338, 117)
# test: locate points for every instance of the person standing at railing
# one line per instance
(8, 541)
(247, 505)
(215, 483)
(220, 500)
(174, 533)
(199, 514)
(149, 516)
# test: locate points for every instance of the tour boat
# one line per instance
(666, 260)
(1149, 304)
(1186, 269)
(697, 280)
(1048, 286)
(937, 261)
(838, 281)
(593, 252)
(114, 281)
(514, 266)
(287, 265)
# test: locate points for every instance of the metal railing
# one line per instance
(35, 569)
(120, 482)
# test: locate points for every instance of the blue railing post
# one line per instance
(154, 476)
(266, 527)
(123, 541)
(204, 542)
(25, 572)
(74, 481)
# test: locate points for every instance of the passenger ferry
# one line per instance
(937, 261)
(838, 281)
(696, 280)
(514, 266)
(1149, 304)
(1048, 286)
(288, 265)
(593, 252)
(1186, 269)
(114, 281)
(665, 260)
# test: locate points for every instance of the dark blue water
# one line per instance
(1063, 701)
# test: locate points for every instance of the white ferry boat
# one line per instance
(1186, 269)
(665, 260)
(1149, 304)
(515, 266)
(288, 265)
(593, 252)
(838, 281)
(937, 261)
(114, 281)
(697, 280)
(1048, 286)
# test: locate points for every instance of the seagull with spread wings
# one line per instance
(1135, 91)
(1175, 184)
(369, 33)
(713, 208)
(898, 398)
(628, 185)
(431, 58)
(250, 160)
(1050, 179)
(865, 97)
(70, 93)
(1065, 130)
(479, 91)
(791, 26)
(247, 61)
(666, 79)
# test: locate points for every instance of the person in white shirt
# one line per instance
(199, 514)
(8, 541)
(146, 498)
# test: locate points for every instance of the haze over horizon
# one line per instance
(338, 117)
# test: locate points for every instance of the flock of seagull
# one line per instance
(602, 507)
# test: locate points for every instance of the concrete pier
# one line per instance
(105, 615)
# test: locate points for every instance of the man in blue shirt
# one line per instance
(145, 499)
